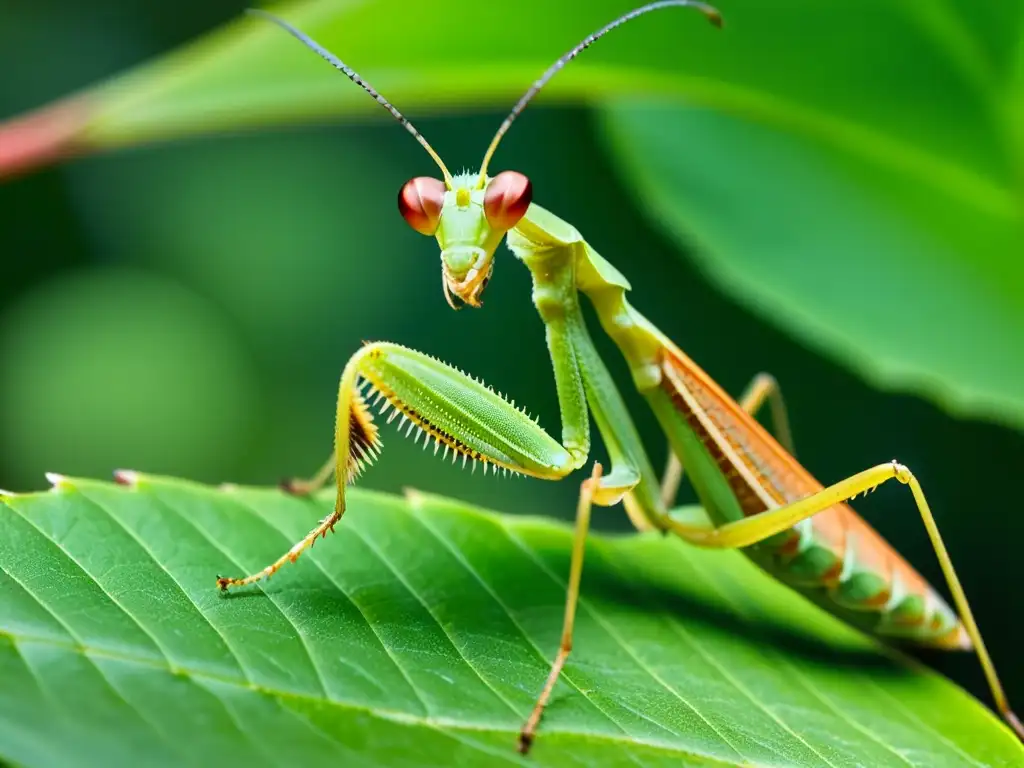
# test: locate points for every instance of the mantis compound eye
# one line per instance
(420, 201)
(506, 199)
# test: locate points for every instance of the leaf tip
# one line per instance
(413, 496)
(57, 481)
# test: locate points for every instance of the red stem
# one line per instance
(42, 136)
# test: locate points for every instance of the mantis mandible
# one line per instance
(754, 493)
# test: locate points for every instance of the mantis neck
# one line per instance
(542, 238)
(581, 378)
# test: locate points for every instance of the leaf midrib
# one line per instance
(446, 543)
(81, 488)
(511, 528)
(437, 723)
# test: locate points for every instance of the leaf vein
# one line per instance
(92, 662)
(680, 630)
(445, 542)
(451, 640)
(380, 639)
(930, 728)
(298, 632)
(238, 723)
(584, 604)
(181, 587)
(798, 674)
(400, 717)
(156, 643)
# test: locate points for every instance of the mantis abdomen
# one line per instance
(739, 470)
(835, 557)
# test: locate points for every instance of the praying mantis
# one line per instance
(754, 494)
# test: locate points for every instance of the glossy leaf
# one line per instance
(869, 201)
(250, 73)
(853, 171)
(419, 633)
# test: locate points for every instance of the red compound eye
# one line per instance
(420, 201)
(506, 199)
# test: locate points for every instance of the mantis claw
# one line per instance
(524, 742)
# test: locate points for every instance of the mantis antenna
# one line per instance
(713, 16)
(355, 78)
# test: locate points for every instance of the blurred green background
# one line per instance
(186, 308)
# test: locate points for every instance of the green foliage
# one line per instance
(174, 350)
(869, 201)
(851, 173)
(419, 633)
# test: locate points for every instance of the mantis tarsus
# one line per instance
(756, 496)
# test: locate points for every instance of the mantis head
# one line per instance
(468, 222)
(469, 214)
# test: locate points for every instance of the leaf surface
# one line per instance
(857, 177)
(419, 633)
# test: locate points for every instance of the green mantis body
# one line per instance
(754, 494)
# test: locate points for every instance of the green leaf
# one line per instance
(419, 634)
(858, 179)
(853, 171)
(437, 57)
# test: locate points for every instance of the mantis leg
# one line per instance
(587, 490)
(762, 388)
(304, 487)
(444, 405)
(322, 529)
(584, 383)
(751, 530)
